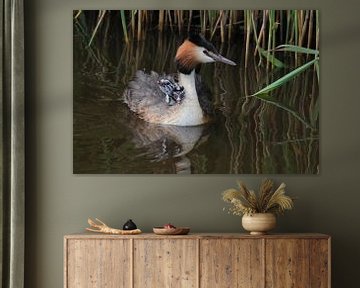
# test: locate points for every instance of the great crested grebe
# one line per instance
(164, 100)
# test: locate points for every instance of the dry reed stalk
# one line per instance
(213, 30)
(161, 20)
(77, 14)
(170, 20)
(291, 27)
(269, 39)
(281, 19)
(257, 48)
(248, 33)
(223, 24)
(106, 32)
(100, 19)
(304, 28)
(316, 67)
(309, 36)
(181, 18)
(133, 25)
(230, 24)
(189, 20)
(139, 26)
(263, 28)
(296, 32)
(203, 24)
(317, 30)
(300, 22)
(177, 20)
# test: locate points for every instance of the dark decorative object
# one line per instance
(129, 225)
(101, 227)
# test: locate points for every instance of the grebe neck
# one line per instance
(188, 82)
(189, 112)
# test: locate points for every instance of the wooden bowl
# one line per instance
(171, 231)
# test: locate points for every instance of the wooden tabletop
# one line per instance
(89, 235)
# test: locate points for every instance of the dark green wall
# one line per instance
(59, 202)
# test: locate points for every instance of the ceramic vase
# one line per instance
(259, 223)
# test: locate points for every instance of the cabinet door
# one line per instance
(287, 263)
(297, 263)
(167, 263)
(98, 263)
(320, 263)
(231, 263)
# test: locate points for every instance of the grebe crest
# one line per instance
(165, 100)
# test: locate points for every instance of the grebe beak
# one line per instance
(219, 58)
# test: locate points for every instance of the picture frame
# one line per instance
(255, 113)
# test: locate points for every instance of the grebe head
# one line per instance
(196, 50)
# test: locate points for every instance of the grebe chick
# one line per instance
(164, 100)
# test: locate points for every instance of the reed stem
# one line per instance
(258, 27)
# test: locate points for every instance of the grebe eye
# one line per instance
(206, 52)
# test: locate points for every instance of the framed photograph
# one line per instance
(196, 91)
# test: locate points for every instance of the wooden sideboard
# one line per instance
(197, 260)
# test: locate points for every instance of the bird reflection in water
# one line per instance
(163, 142)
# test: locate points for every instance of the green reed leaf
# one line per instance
(297, 49)
(280, 82)
(123, 23)
(271, 58)
(100, 18)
